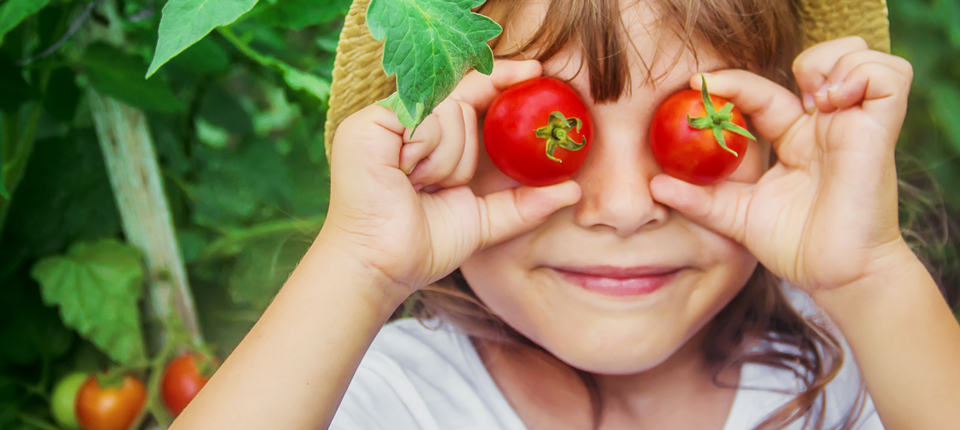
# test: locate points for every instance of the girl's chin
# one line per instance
(612, 355)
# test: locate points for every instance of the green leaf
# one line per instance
(430, 45)
(97, 286)
(62, 95)
(14, 11)
(184, 22)
(396, 105)
(205, 57)
(235, 187)
(120, 76)
(304, 81)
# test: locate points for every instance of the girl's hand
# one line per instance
(399, 204)
(825, 215)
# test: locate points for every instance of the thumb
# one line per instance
(507, 213)
(721, 208)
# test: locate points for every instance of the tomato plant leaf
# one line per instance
(12, 12)
(184, 22)
(97, 286)
(118, 75)
(430, 45)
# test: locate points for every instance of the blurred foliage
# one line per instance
(237, 125)
(927, 33)
(237, 122)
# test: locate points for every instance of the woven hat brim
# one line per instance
(359, 79)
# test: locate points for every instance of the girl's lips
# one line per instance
(619, 281)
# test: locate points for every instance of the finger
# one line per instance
(444, 159)
(846, 64)
(371, 136)
(721, 208)
(479, 90)
(812, 67)
(468, 162)
(510, 212)
(772, 108)
(881, 89)
(421, 144)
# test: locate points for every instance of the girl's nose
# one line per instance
(615, 181)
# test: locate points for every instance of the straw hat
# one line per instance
(359, 79)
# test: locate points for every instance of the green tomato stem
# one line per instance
(717, 121)
(556, 133)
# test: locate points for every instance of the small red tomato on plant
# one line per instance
(694, 142)
(182, 380)
(110, 408)
(538, 132)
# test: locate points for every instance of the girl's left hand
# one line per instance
(826, 214)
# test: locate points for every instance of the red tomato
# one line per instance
(696, 155)
(181, 382)
(538, 132)
(109, 408)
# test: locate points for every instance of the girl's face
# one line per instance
(539, 282)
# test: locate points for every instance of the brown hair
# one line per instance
(759, 35)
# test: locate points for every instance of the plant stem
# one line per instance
(222, 247)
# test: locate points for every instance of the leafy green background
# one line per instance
(237, 121)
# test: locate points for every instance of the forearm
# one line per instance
(291, 370)
(905, 340)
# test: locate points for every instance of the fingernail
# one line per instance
(823, 90)
(809, 105)
(836, 86)
(410, 170)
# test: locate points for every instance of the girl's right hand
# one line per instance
(380, 213)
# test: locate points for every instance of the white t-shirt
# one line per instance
(413, 377)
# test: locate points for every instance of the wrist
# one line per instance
(326, 262)
(895, 271)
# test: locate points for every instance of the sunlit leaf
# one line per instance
(184, 22)
(12, 12)
(430, 45)
(97, 286)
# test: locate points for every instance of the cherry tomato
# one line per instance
(110, 408)
(63, 401)
(538, 132)
(694, 142)
(181, 382)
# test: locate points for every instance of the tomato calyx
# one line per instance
(717, 120)
(556, 133)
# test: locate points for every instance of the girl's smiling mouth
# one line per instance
(619, 281)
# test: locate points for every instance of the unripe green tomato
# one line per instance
(63, 402)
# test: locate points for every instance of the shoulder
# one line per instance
(421, 376)
(766, 388)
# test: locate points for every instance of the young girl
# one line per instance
(623, 298)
